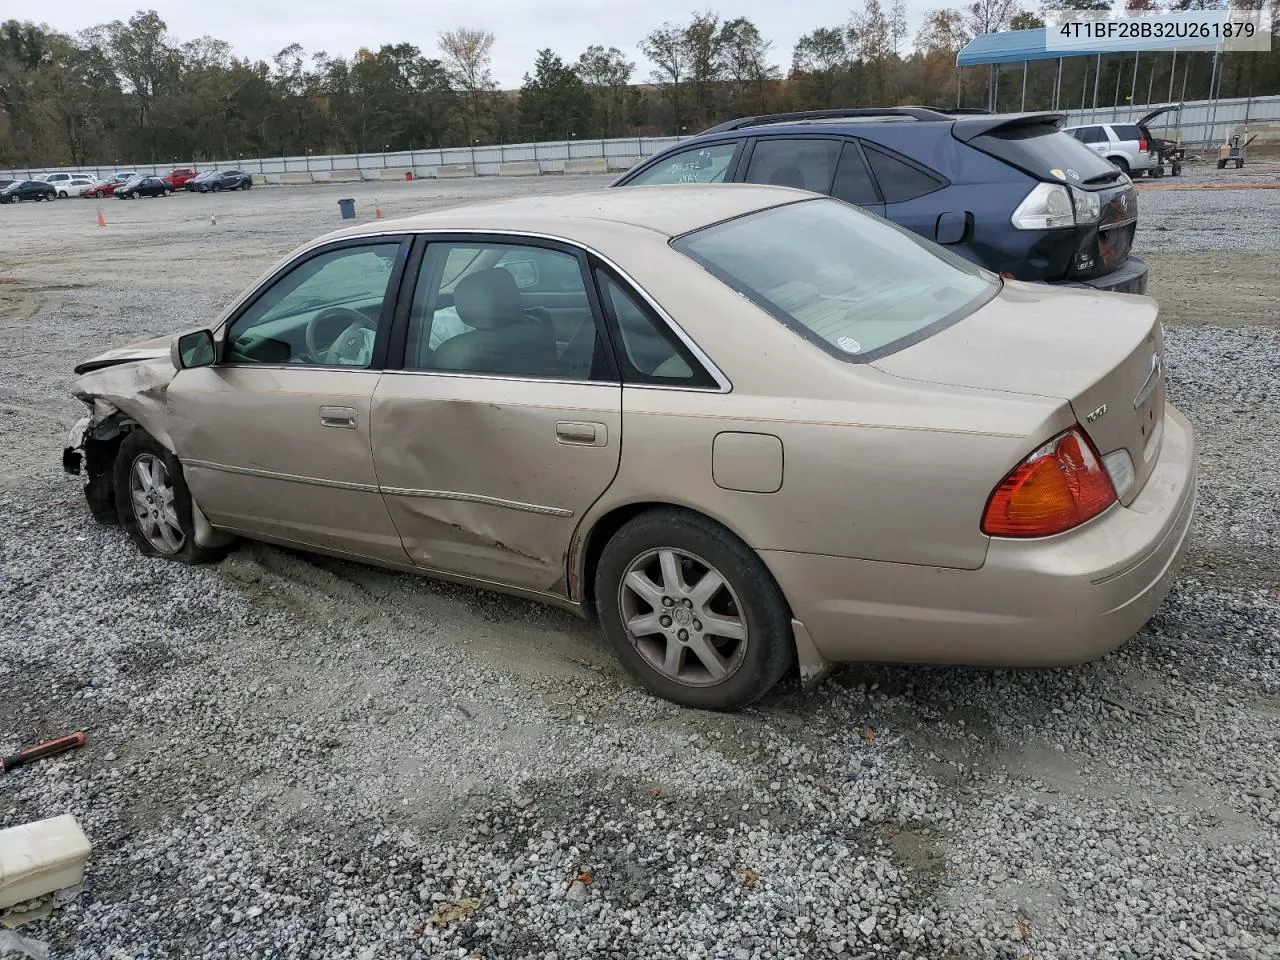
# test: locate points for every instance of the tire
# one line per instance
(247, 184)
(1239, 164)
(1122, 163)
(1222, 164)
(216, 187)
(134, 195)
(144, 467)
(62, 194)
(747, 601)
(168, 193)
(1156, 172)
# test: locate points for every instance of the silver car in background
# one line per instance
(1124, 144)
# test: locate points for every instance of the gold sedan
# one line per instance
(745, 426)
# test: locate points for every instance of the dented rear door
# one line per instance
(487, 477)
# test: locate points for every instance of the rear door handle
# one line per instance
(339, 417)
(582, 434)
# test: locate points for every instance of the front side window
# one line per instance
(806, 164)
(708, 164)
(857, 286)
(327, 311)
(504, 310)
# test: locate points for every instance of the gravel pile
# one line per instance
(301, 758)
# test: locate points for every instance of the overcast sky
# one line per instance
(259, 29)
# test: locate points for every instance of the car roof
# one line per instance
(668, 210)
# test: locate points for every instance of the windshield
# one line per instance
(854, 284)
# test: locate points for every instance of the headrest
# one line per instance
(488, 299)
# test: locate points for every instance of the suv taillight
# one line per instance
(1142, 145)
(1058, 487)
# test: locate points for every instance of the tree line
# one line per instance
(128, 92)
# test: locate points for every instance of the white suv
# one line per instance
(1121, 143)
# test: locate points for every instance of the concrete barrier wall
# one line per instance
(587, 165)
(520, 168)
(486, 161)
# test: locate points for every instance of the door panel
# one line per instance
(262, 458)
(488, 478)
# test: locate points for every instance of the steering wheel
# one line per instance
(355, 321)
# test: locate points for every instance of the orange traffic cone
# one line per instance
(377, 210)
(102, 221)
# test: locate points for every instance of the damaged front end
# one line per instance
(123, 389)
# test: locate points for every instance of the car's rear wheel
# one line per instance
(154, 504)
(1122, 163)
(247, 184)
(692, 612)
(216, 187)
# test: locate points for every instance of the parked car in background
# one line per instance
(215, 181)
(74, 186)
(179, 177)
(1123, 144)
(1010, 192)
(143, 187)
(58, 179)
(103, 188)
(5, 182)
(861, 447)
(21, 190)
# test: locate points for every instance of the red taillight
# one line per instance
(1142, 145)
(1058, 487)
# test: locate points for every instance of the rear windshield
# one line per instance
(1040, 149)
(857, 286)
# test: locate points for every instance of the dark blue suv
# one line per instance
(1010, 192)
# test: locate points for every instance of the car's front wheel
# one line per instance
(692, 612)
(154, 504)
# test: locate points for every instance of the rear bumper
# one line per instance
(1048, 602)
(1130, 278)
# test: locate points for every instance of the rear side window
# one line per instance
(1127, 131)
(1091, 135)
(696, 165)
(803, 163)
(849, 282)
(898, 179)
(853, 182)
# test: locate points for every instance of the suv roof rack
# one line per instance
(913, 113)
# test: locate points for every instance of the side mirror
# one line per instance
(193, 350)
(953, 227)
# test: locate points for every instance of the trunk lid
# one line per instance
(1104, 248)
(1101, 353)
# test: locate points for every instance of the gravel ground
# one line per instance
(298, 757)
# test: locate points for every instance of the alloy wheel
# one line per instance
(151, 494)
(682, 616)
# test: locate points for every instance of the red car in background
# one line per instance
(179, 177)
(104, 188)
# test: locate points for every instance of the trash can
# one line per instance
(348, 208)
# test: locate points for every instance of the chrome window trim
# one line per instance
(724, 385)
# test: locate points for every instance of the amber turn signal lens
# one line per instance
(1058, 487)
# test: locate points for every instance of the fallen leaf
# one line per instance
(584, 877)
(1024, 930)
(419, 929)
(749, 876)
(867, 733)
(455, 910)
(655, 792)
(829, 791)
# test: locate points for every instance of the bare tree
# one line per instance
(898, 24)
(991, 16)
(469, 56)
(667, 49)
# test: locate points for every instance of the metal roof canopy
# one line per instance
(1017, 46)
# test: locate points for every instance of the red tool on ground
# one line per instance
(41, 751)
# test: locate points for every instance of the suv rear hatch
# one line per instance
(1035, 144)
(1100, 353)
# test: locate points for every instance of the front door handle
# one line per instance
(339, 417)
(582, 434)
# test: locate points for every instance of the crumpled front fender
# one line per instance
(136, 390)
